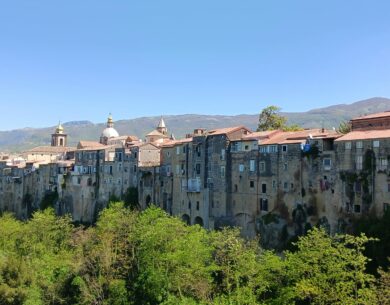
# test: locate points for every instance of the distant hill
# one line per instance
(179, 125)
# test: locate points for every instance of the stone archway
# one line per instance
(186, 219)
(148, 200)
(198, 221)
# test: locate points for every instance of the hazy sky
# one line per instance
(80, 60)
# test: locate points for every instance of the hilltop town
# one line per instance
(273, 183)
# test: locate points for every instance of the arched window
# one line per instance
(198, 221)
(186, 219)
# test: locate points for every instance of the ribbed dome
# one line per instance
(110, 132)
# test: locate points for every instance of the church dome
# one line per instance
(59, 129)
(110, 132)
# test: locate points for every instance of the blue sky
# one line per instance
(79, 60)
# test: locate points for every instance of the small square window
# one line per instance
(264, 188)
(284, 148)
(348, 145)
(356, 208)
(375, 144)
(359, 144)
(251, 184)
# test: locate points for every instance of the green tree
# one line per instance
(270, 119)
(131, 198)
(384, 287)
(328, 270)
(174, 260)
(243, 274)
(107, 258)
(344, 127)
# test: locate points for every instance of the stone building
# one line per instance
(274, 183)
(57, 151)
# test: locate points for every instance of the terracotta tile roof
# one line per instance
(95, 148)
(156, 133)
(221, 131)
(365, 135)
(172, 143)
(258, 135)
(50, 149)
(91, 144)
(292, 137)
(373, 116)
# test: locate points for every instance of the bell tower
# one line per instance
(59, 138)
(162, 128)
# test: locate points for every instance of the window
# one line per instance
(236, 188)
(359, 144)
(197, 205)
(223, 154)
(263, 204)
(189, 205)
(198, 150)
(168, 154)
(263, 149)
(386, 207)
(177, 169)
(382, 164)
(274, 184)
(359, 162)
(197, 167)
(222, 171)
(348, 145)
(327, 163)
(285, 167)
(272, 148)
(264, 188)
(241, 168)
(284, 148)
(262, 167)
(178, 150)
(358, 187)
(252, 165)
(285, 186)
(236, 146)
(375, 144)
(246, 147)
(251, 184)
(356, 208)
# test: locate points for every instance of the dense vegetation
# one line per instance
(148, 257)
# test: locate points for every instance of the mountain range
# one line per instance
(21, 139)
